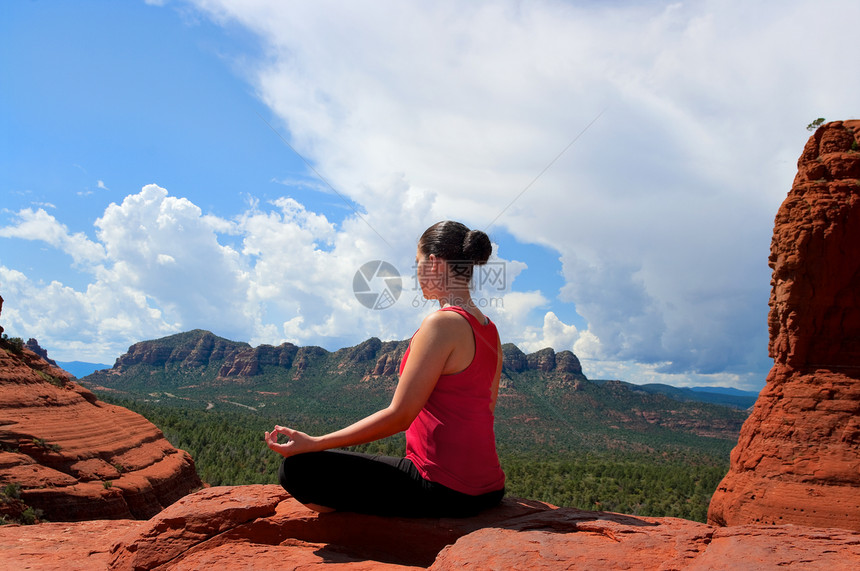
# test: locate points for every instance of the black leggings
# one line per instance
(379, 485)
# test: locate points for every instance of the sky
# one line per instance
(247, 167)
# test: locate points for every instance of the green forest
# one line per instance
(662, 478)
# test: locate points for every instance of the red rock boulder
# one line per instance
(73, 457)
(798, 455)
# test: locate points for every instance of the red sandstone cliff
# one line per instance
(798, 455)
(75, 457)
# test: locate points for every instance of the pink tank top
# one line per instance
(452, 440)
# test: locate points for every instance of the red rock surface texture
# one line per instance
(261, 527)
(77, 458)
(798, 456)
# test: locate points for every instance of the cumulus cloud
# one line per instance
(554, 333)
(97, 324)
(661, 212)
(163, 266)
(165, 248)
(39, 225)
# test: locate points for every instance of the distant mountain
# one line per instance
(725, 391)
(80, 368)
(76, 368)
(715, 395)
(544, 397)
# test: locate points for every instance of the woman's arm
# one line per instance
(494, 388)
(429, 352)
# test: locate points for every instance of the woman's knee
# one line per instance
(303, 475)
(290, 472)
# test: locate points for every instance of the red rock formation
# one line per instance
(251, 361)
(77, 458)
(260, 527)
(191, 349)
(34, 346)
(798, 455)
(546, 361)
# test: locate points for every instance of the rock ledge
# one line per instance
(261, 527)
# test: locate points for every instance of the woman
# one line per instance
(445, 400)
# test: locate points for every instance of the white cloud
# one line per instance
(97, 324)
(39, 225)
(516, 308)
(166, 249)
(162, 269)
(554, 333)
(661, 212)
(639, 373)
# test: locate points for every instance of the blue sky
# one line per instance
(145, 188)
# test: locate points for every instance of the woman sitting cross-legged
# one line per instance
(444, 400)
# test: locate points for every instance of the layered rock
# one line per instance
(261, 527)
(33, 345)
(546, 361)
(196, 357)
(195, 348)
(251, 361)
(74, 457)
(798, 455)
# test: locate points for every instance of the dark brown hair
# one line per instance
(454, 242)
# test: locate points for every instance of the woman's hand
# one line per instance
(430, 355)
(298, 442)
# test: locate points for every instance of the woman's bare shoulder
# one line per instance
(445, 321)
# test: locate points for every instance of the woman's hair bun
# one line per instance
(477, 247)
(454, 242)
